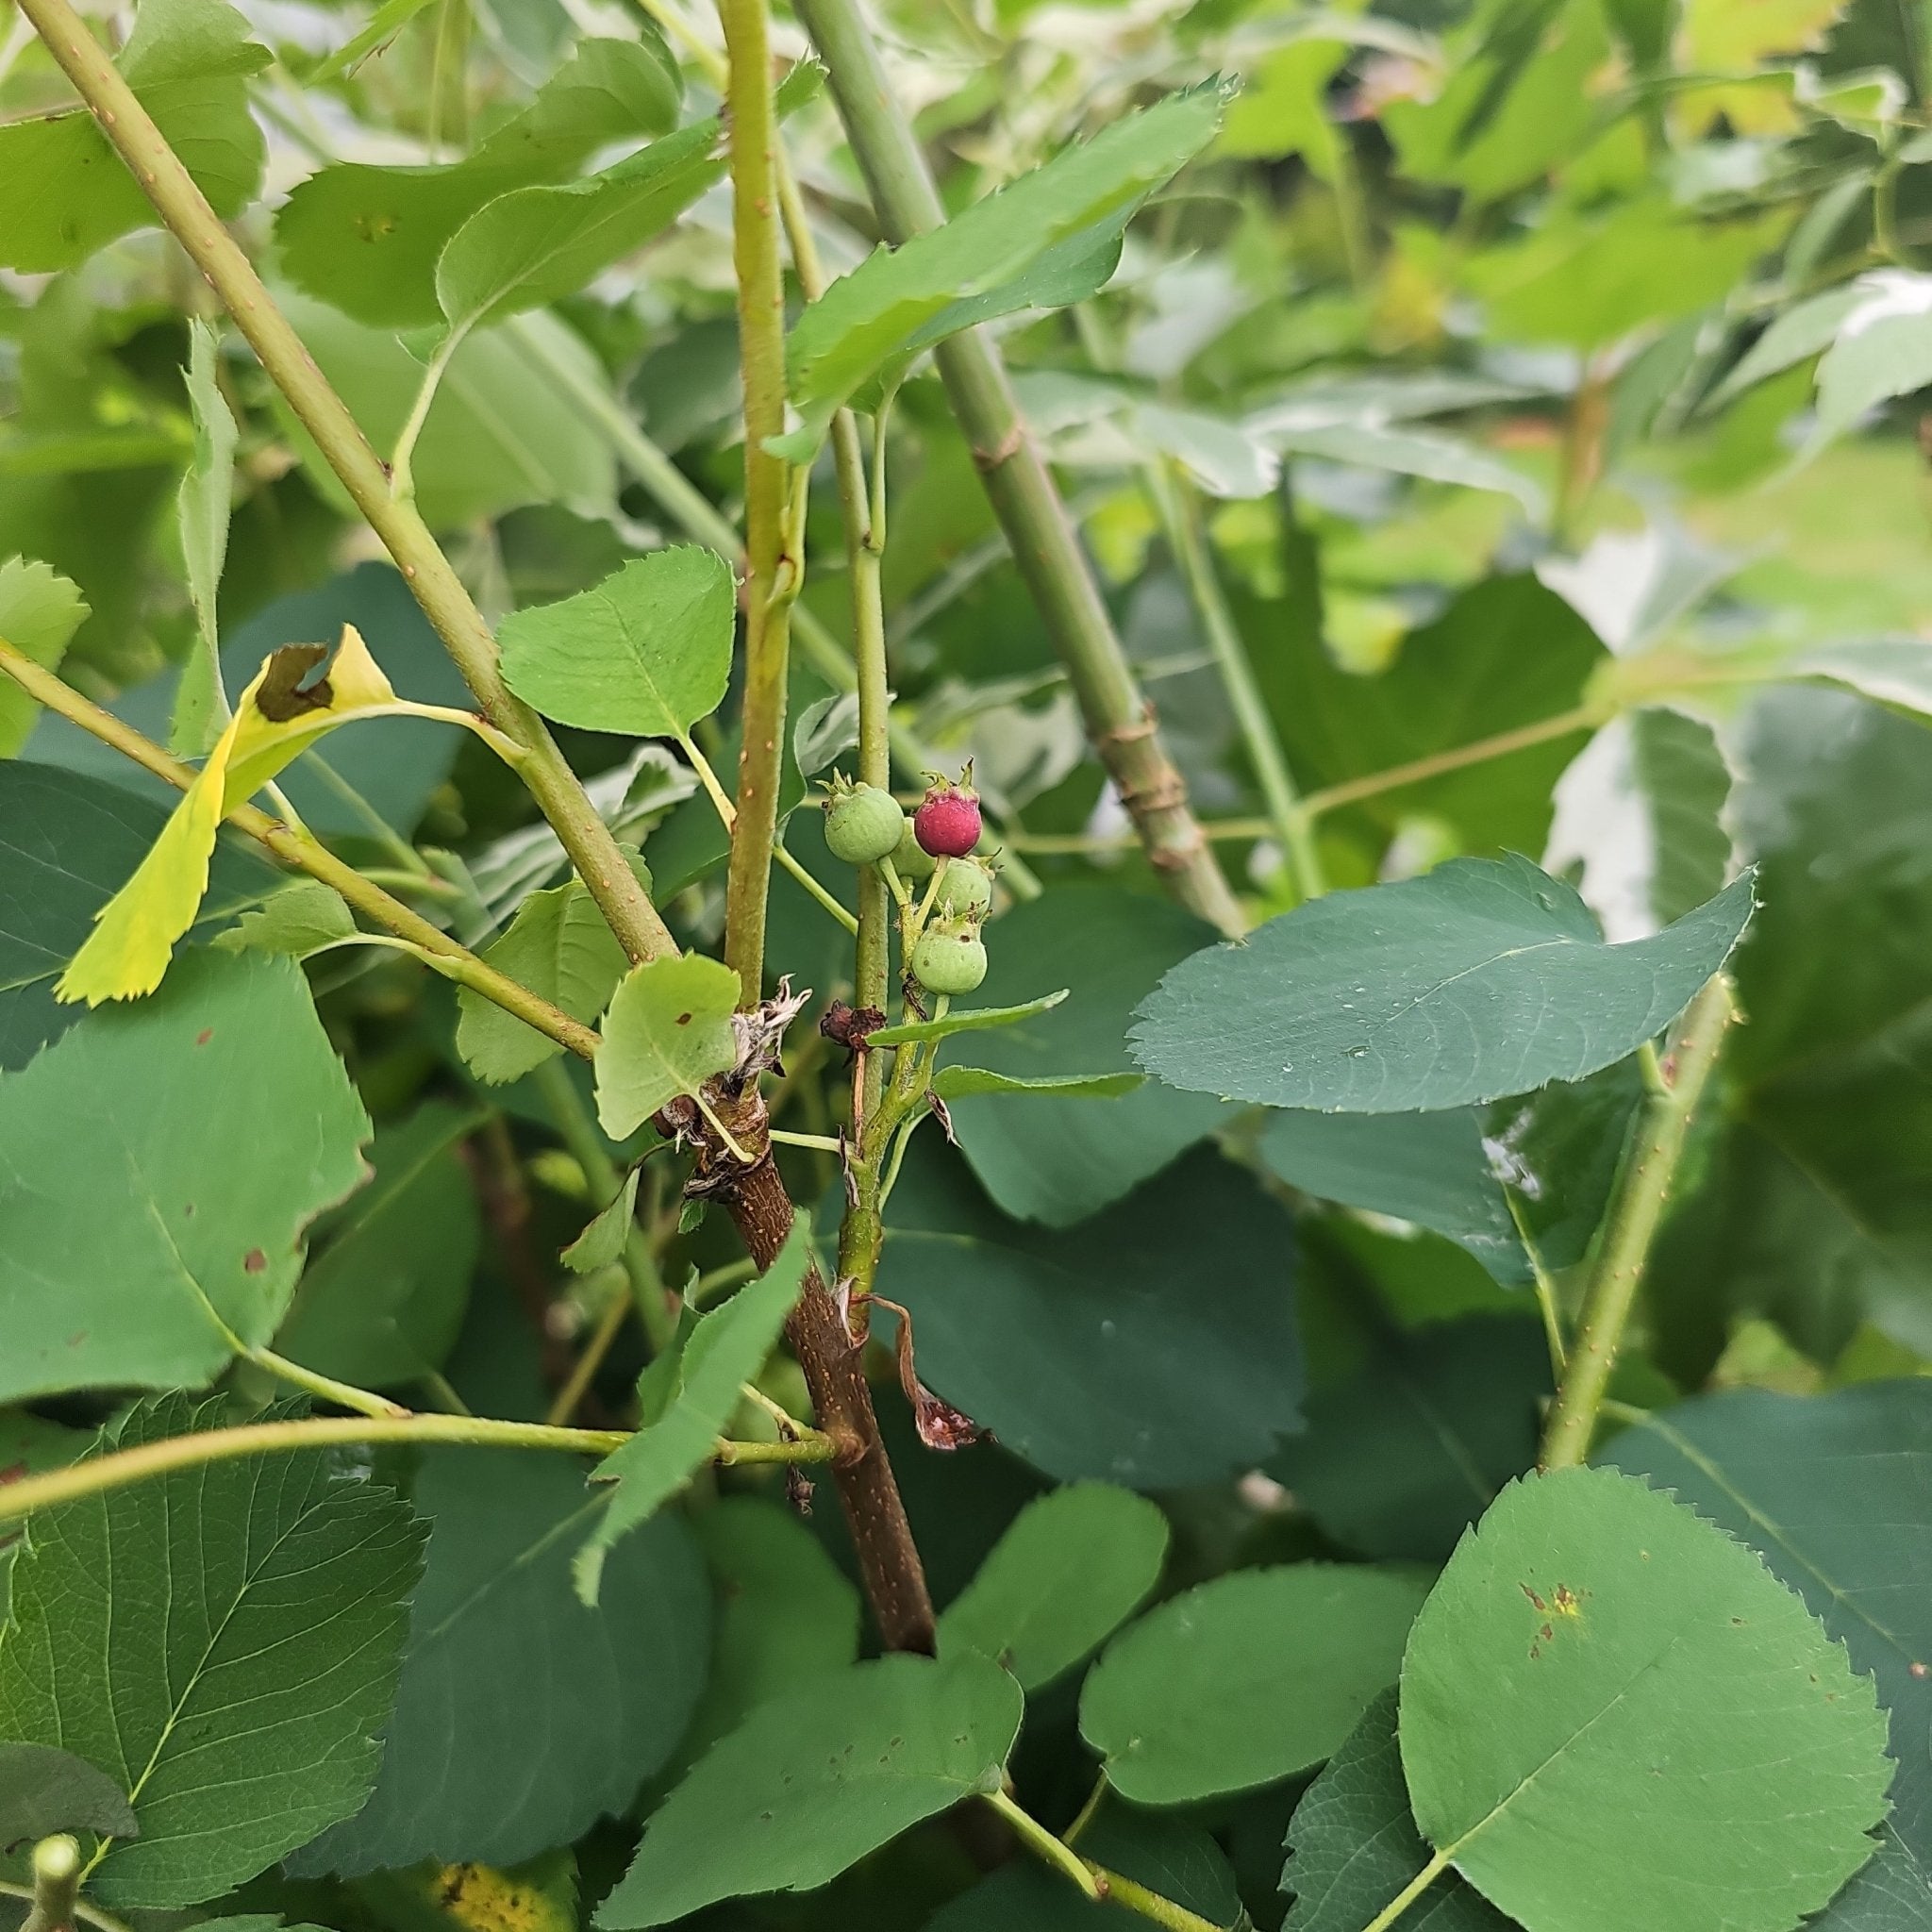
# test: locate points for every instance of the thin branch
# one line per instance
(584, 1370)
(86, 1913)
(772, 573)
(306, 854)
(1438, 1863)
(1635, 1208)
(1042, 1843)
(1120, 722)
(343, 1394)
(184, 210)
(56, 1885)
(146, 1460)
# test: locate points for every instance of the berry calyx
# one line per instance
(965, 889)
(950, 957)
(947, 823)
(862, 824)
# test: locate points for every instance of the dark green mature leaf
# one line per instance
(560, 946)
(1835, 1494)
(44, 1789)
(535, 246)
(1353, 1845)
(522, 1716)
(1606, 1699)
(68, 843)
(1507, 653)
(1246, 1680)
(39, 611)
(647, 652)
(886, 308)
(367, 239)
(814, 1780)
(689, 1406)
(383, 1302)
(64, 192)
(223, 1641)
(1071, 1567)
(1060, 1160)
(1398, 1459)
(787, 1616)
(1481, 978)
(1074, 1348)
(160, 1164)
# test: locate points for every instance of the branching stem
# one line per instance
(1635, 1208)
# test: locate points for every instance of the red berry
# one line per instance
(947, 824)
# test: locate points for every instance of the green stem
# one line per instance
(1181, 523)
(586, 1147)
(1021, 490)
(303, 852)
(57, 1886)
(1042, 1843)
(1546, 1286)
(343, 1394)
(1438, 1864)
(184, 210)
(1635, 1208)
(584, 1371)
(87, 1914)
(1136, 1897)
(772, 573)
(402, 475)
(195, 1451)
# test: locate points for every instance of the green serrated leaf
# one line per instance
(697, 1394)
(201, 512)
(223, 1641)
(667, 1031)
(602, 1240)
(559, 945)
(1483, 977)
(1071, 1567)
(1244, 1680)
(303, 917)
(506, 1668)
(44, 1789)
(162, 1162)
(1607, 1698)
(39, 611)
(383, 1301)
(367, 239)
(960, 1083)
(971, 1020)
(66, 192)
(1353, 1845)
(814, 1780)
(535, 246)
(891, 303)
(647, 652)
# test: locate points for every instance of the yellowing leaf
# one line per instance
(538, 1896)
(277, 720)
(1723, 36)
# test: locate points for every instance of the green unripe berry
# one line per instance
(912, 860)
(863, 824)
(949, 957)
(965, 889)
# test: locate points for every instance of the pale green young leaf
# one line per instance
(39, 611)
(1606, 1698)
(1481, 978)
(535, 246)
(1881, 351)
(201, 512)
(723, 1351)
(602, 1241)
(161, 1164)
(1890, 670)
(646, 652)
(1409, 453)
(1071, 1567)
(1353, 1846)
(524, 1717)
(1800, 332)
(968, 1020)
(814, 1780)
(64, 192)
(223, 1642)
(667, 1031)
(366, 238)
(303, 917)
(886, 306)
(560, 947)
(1246, 1680)
(383, 1301)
